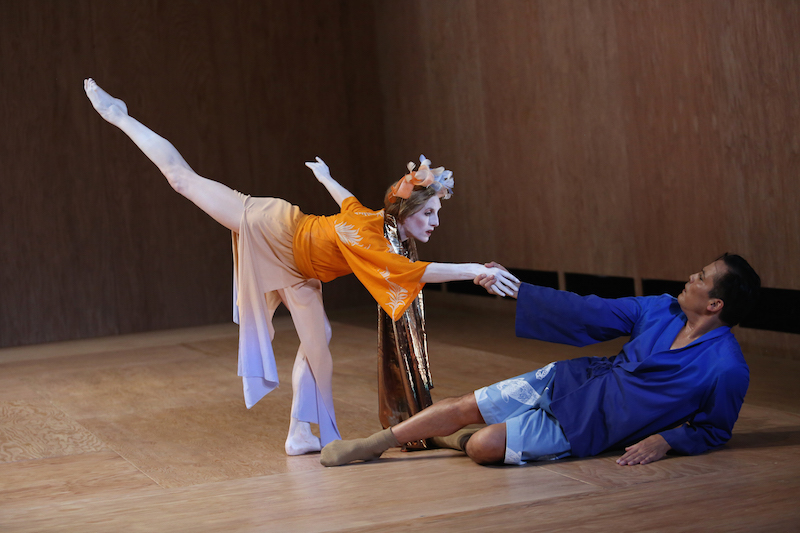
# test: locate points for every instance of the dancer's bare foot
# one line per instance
(300, 440)
(110, 108)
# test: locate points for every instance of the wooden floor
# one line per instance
(150, 433)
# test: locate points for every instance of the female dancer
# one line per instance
(282, 255)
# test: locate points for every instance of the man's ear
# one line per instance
(715, 305)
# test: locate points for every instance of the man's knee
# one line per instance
(466, 409)
(488, 446)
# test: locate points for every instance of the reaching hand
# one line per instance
(645, 451)
(497, 280)
(323, 175)
(320, 170)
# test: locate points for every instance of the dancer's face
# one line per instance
(421, 224)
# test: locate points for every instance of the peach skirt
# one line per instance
(264, 275)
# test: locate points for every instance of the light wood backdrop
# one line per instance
(628, 138)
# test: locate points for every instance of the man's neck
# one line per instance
(695, 328)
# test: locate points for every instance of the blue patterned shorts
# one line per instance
(523, 404)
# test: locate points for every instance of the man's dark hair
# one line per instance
(738, 288)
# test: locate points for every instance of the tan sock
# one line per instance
(456, 441)
(340, 452)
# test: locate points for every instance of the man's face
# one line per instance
(694, 297)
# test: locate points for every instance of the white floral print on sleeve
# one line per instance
(397, 294)
(349, 234)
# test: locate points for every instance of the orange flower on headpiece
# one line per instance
(439, 178)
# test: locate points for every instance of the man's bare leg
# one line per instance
(217, 200)
(441, 419)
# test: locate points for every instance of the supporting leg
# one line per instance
(217, 200)
(300, 439)
(312, 400)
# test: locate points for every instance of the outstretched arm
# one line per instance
(323, 175)
(503, 283)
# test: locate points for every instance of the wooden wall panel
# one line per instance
(432, 88)
(710, 105)
(674, 161)
(623, 138)
(573, 177)
(93, 240)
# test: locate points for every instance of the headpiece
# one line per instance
(440, 179)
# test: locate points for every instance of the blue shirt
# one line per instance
(691, 395)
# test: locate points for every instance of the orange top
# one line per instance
(326, 248)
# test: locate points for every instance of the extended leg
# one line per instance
(312, 399)
(217, 200)
(441, 419)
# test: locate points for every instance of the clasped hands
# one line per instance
(496, 279)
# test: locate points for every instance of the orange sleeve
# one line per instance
(393, 280)
(352, 241)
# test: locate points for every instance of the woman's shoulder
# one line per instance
(352, 206)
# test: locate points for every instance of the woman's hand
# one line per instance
(496, 279)
(320, 170)
(323, 175)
